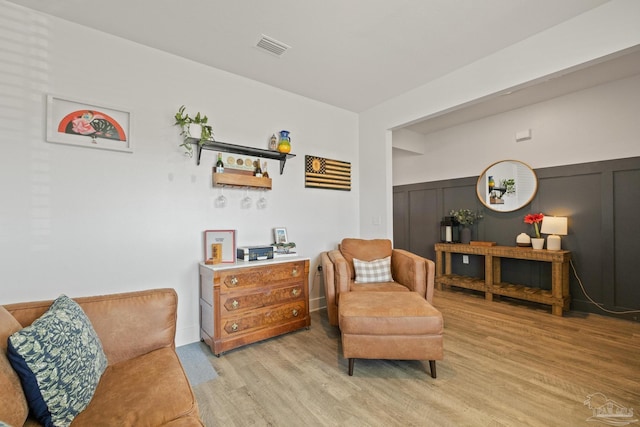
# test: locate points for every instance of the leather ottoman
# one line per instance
(390, 325)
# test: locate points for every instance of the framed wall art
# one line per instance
(220, 240)
(326, 173)
(280, 235)
(79, 123)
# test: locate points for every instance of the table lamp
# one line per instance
(556, 226)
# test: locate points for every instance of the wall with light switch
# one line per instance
(567, 133)
(554, 51)
(600, 200)
(598, 123)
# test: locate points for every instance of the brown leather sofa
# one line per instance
(144, 383)
(410, 272)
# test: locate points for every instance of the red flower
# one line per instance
(534, 219)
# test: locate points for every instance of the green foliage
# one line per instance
(466, 216)
(185, 121)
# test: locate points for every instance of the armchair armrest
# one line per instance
(341, 271)
(336, 277)
(414, 272)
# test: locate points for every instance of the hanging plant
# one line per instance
(185, 122)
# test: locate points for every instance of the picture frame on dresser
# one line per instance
(280, 235)
(227, 240)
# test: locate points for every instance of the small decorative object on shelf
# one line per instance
(257, 172)
(537, 242)
(265, 174)
(284, 249)
(219, 164)
(449, 232)
(523, 240)
(534, 219)
(284, 144)
(224, 242)
(188, 127)
(466, 218)
(273, 143)
(225, 147)
(216, 254)
(280, 236)
(481, 243)
(282, 246)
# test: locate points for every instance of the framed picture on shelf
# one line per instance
(280, 235)
(219, 246)
(83, 124)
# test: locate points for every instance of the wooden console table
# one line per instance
(558, 298)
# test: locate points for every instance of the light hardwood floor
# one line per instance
(505, 364)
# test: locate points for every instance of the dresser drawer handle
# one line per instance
(235, 304)
(294, 272)
(234, 327)
(295, 313)
(295, 292)
(232, 281)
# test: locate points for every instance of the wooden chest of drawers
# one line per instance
(248, 302)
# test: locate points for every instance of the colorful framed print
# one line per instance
(78, 123)
(227, 240)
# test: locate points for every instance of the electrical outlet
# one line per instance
(465, 259)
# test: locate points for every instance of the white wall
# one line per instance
(599, 32)
(599, 123)
(84, 221)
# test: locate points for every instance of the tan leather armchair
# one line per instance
(410, 272)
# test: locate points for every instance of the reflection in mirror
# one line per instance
(507, 185)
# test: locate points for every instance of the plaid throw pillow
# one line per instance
(378, 270)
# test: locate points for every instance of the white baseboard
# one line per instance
(316, 304)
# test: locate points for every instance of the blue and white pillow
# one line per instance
(378, 270)
(59, 359)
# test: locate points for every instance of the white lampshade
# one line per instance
(556, 226)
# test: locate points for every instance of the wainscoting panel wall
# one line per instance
(626, 217)
(601, 200)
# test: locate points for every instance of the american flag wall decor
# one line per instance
(327, 173)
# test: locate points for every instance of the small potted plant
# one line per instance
(466, 218)
(193, 127)
(537, 242)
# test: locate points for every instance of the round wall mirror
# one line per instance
(507, 185)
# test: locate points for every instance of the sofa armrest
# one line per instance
(414, 272)
(134, 323)
(128, 324)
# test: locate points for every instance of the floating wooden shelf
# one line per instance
(241, 149)
(239, 180)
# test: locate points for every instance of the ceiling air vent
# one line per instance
(272, 46)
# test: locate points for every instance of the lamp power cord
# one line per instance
(597, 304)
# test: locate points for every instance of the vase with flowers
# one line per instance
(466, 218)
(537, 242)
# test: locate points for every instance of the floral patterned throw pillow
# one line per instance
(59, 360)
